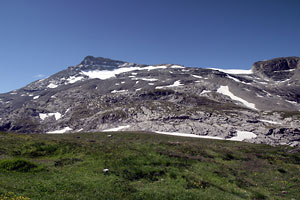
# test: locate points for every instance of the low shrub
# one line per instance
(17, 165)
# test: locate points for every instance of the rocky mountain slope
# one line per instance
(260, 105)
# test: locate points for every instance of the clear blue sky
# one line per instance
(42, 37)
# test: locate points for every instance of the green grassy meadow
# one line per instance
(143, 166)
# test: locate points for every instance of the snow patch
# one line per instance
(243, 135)
(154, 67)
(145, 79)
(268, 94)
(118, 91)
(292, 102)
(67, 110)
(287, 70)
(189, 135)
(205, 91)
(175, 84)
(235, 79)
(73, 79)
(43, 116)
(196, 76)
(234, 71)
(225, 91)
(177, 66)
(259, 96)
(52, 85)
(106, 74)
(268, 121)
(64, 130)
(116, 129)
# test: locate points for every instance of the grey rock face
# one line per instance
(100, 94)
(278, 68)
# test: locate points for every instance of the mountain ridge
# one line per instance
(101, 93)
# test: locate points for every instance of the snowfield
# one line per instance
(52, 85)
(175, 84)
(234, 71)
(189, 135)
(74, 79)
(243, 135)
(64, 130)
(57, 115)
(225, 91)
(116, 129)
(177, 67)
(106, 74)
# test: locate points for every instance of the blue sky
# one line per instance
(41, 37)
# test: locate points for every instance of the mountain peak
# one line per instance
(102, 94)
(91, 60)
(277, 68)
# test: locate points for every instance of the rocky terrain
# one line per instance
(260, 105)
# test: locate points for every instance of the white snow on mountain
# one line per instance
(205, 91)
(116, 129)
(106, 74)
(177, 67)
(175, 84)
(268, 121)
(225, 91)
(118, 91)
(64, 130)
(243, 135)
(57, 115)
(234, 71)
(292, 102)
(189, 135)
(73, 79)
(145, 79)
(52, 85)
(235, 79)
(196, 76)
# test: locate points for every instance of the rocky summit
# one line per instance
(260, 105)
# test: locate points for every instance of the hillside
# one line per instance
(132, 165)
(260, 105)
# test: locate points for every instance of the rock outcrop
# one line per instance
(278, 69)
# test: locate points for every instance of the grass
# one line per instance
(143, 166)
